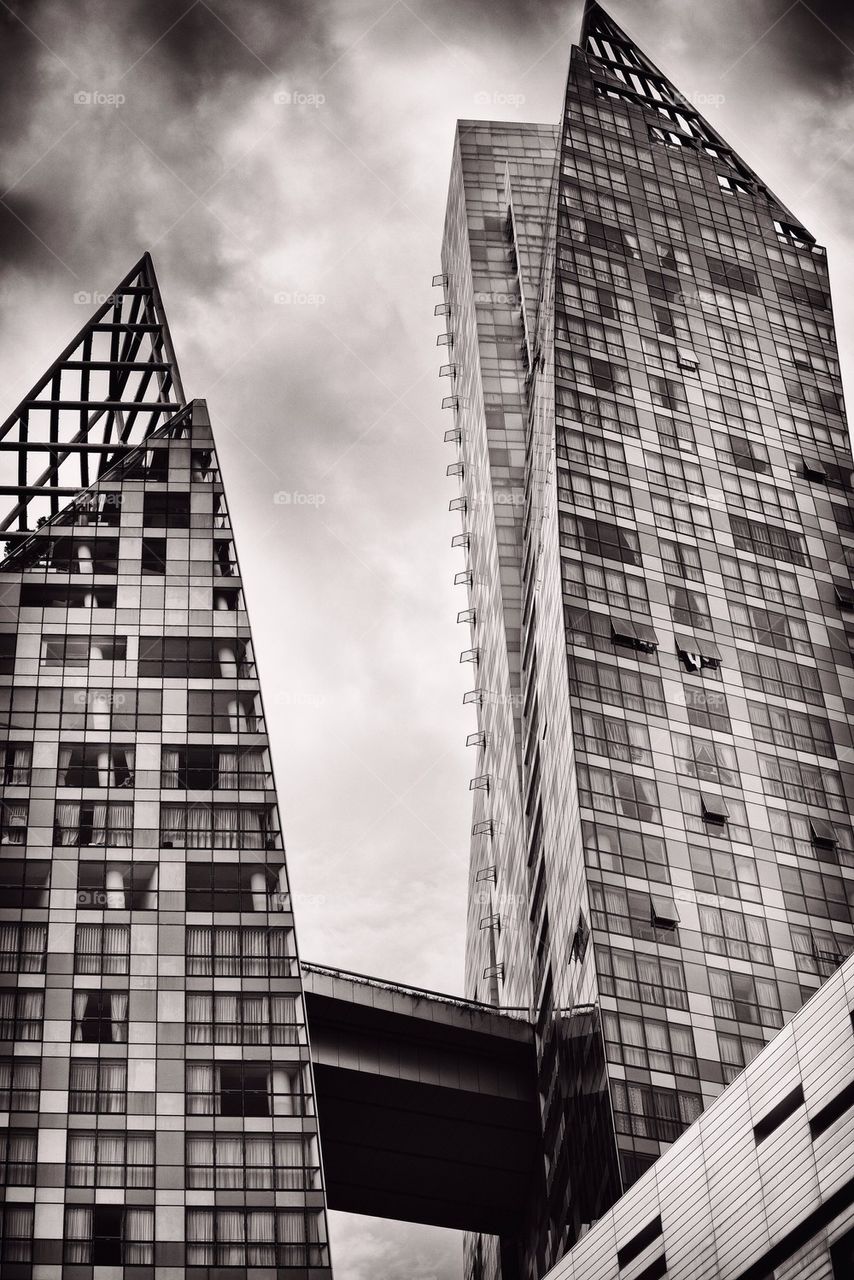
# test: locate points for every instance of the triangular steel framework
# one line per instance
(635, 77)
(114, 384)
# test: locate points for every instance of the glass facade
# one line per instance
(155, 1080)
(642, 346)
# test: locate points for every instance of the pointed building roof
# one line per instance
(636, 77)
(115, 383)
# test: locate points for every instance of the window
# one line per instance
(255, 1238)
(819, 952)
(767, 500)
(616, 686)
(706, 759)
(737, 1051)
(18, 1157)
(122, 710)
(730, 933)
(166, 510)
(88, 823)
(604, 496)
(100, 1017)
(154, 556)
(246, 1089)
(778, 676)
(726, 274)
(770, 628)
(674, 473)
(194, 657)
(15, 764)
(97, 1086)
(766, 581)
(630, 853)
(223, 711)
(804, 783)
(79, 651)
(603, 584)
(707, 813)
(622, 793)
(786, 1107)
(817, 893)
(95, 766)
(679, 516)
(598, 538)
(650, 979)
(769, 540)
(16, 1233)
(232, 952)
(13, 822)
(20, 1080)
(21, 1014)
(102, 948)
(644, 1111)
(109, 1158)
(592, 630)
(698, 654)
(108, 1235)
(795, 730)
(689, 608)
(120, 886)
(586, 450)
(207, 768)
(24, 884)
(590, 371)
(229, 886)
(607, 736)
(721, 872)
(739, 451)
(22, 947)
(649, 1043)
(707, 708)
(232, 1018)
(262, 1162)
(681, 559)
(58, 595)
(667, 393)
(594, 411)
(741, 997)
(809, 837)
(629, 912)
(201, 826)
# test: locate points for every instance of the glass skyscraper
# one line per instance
(655, 497)
(155, 1083)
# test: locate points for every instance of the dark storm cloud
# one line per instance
(817, 41)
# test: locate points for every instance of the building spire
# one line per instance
(115, 383)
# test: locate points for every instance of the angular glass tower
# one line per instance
(155, 1084)
(655, 490)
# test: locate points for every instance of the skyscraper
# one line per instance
(155, 1082)
(655, 479)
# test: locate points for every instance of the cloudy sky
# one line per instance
(286, 162)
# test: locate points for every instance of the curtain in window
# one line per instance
(632, 1036)
(291, 1156)
(119, 1016)
(139, 1237)
(292, 1237)
(197, 827)
(658, 1046)
(62, 766)
(87, 948)
(200, 1089)
(230, 1235)
(9, 941)
(228, 1009)
(259, 1164)
(21, 761)
(140, 1159)
(229, 942)
(199, 941)
(121, 825)
(255, 1012)
(284, 1020)
(21, 1156)
(199, 1015)
(229, 1162)
(260, 1237)
(79, 1001)
(673, 979)
(68, 822)
(30, 1014)
(251, 768)
(32, 943)
(170, 765)
(111, 1158)
(200, 1162)
(226, 822)
(78, 1235)
(24, 1084)
(227, 769)
(113, 1086)
(280, 942)
(99, 823)
(173, 824)
(200, 1238)
(115, 948)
